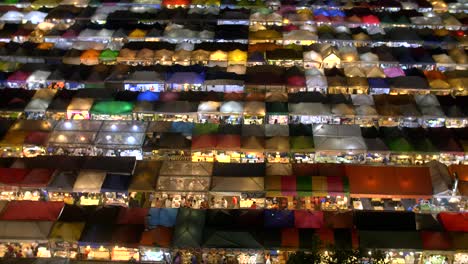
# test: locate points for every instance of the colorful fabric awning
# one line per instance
(307, 185)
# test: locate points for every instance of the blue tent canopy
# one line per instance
(162, 217)
(116, 183)
(278, 218)
(148, 96)
(184, 128)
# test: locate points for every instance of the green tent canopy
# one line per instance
(112, 108)
(302, 143)
(399, 144)
(215, 238)
(108, 55)
(188, 232)
(277, 108)
(206, 128)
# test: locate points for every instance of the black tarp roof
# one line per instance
(241, 170)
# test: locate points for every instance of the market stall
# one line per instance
(208, 112)
(112, 110)
(183, 184)
(309, 113)
(74, 137)
(308, 192)
(61, 186)
(39, 103)
(89, 183)
(176, 111)
(22, 237)
(388, 188)
(252, 149)
(277, 113)
(302, 149)
(121, 139)
(277, 149)
(144, 81)
(254, 112)
(231, 112)
(79, 108)
(26, 138)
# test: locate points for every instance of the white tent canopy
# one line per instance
(232, 107)
(183, 184)
(25, 230)
(426, 100)
(327, 143)
(336, 130)
(89, 181)
(362, 99)
(186, 168)
(366, 110)
(309, 109)
(37, 105)
(208, 107)
(237, 184)
(38, 76)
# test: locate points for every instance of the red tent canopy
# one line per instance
(383, 181)
(132, 216)
(37, 178)
(29, 210)
(338, 219)
(160, 236)
(12, 176)
(175, 2)
(455, 222)
(308, 219)
(208, 142)
(290, 237)
(228, 142)
(36, 138)
(436, 240)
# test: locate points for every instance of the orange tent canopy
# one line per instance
(461, 170)
(389, 182)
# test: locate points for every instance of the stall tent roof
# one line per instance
(328, 143)
(25, 230)
(112, 108)
(454, 222)
(110, 164)
(336, 130)
(175, 168)
(189, 228)
(89, 181)
(145, 176)
(309, 109)
(214, 237)
(389, 221)
(116, 182)
(62, 181)
(242, 170)
(166, 217)
(403, 182)
(390, 239)
(67, 231)
(32, 210)
(237, 184)
(278, 169)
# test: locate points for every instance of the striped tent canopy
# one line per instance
(306, 185)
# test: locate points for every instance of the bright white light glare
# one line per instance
(108, 137)
(113, 127)
(68, 125)
(134, 127)
(131, 139)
